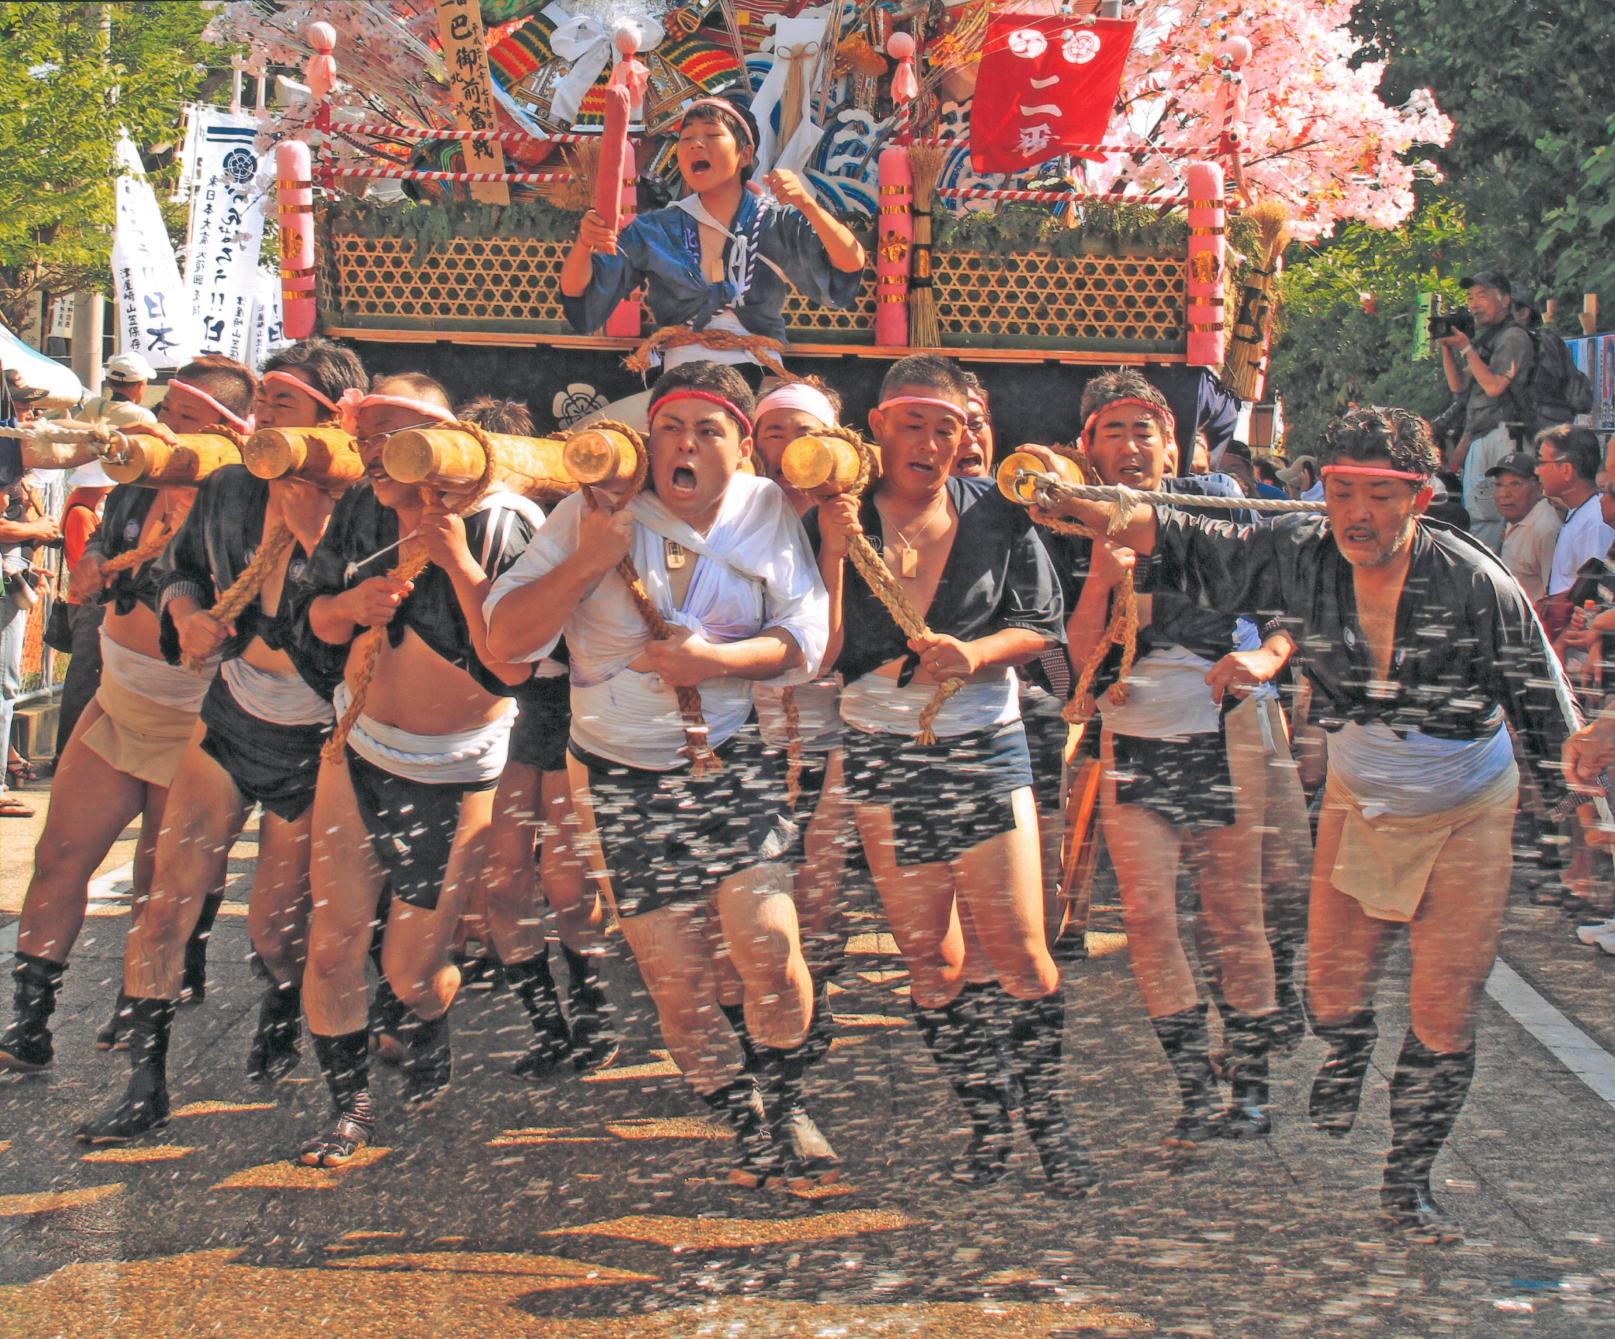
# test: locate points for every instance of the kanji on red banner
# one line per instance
(1047, 86)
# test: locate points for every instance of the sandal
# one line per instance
(12, 807)
(19, 772)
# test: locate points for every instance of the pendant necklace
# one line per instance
(908, 557)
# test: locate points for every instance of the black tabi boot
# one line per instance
(1036, 1038)
(757, 1158)
(535, 987)
(114, 1033)
(1427, 1093)
(193, 985)
(958, 1038)
(275, 1050)
(144, 1109)
(595, 1043)
(25, 1045)
(386, 1026)
(1249, 1038)
(345, 1063)
(809, 1158)
(1184, 1038)
(428, 1060)
(821, 1030)
(1338, 1089)
(804, 1154)
(1289, 1022)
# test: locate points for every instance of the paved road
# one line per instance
(599, 1208)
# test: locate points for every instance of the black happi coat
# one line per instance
(123, 516)
(1469, 652)
(219, 538)
(998, 575)
(359, 529)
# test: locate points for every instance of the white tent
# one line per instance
(35, 381)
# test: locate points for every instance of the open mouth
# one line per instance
(699, 165)
(682, 479)
(970, 460)
(1358, 535)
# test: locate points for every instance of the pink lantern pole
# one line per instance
(895, 234)
(1206, 258)
(614, 180)
(294, 212)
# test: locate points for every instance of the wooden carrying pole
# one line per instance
(821, 466)
(144, 459)
(323, 456)
(451, 459)
(600, 458)
(1023, 492)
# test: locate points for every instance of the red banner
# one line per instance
(1047, 87)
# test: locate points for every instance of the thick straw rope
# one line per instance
(766, 351)
(1122, 629)
(70, 432)
(143, 553)
(697, 748)
(872, 567)
(368, 645)
(244, 589)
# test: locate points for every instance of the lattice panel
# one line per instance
(808, 323)
(1069, 301)
(469, 283)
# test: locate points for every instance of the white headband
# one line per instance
(798, 395)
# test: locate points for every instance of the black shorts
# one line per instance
(1046, 731)
(946, 797)
(272, 765)
(1184, 780)
(411, 826)
(670, 838)
(543, 721)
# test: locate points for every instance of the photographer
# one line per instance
(1483, 368)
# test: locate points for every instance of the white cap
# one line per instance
(93, 475)
(129, 367)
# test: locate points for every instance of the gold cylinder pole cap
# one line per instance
(273, 454)
(599, 456)
(127, 463)
(409, 458)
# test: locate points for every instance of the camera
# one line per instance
(1443, 324)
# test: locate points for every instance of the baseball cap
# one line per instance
(1516, 462)
(129, 367)
(1292, 475)
(1490, 278)
(1525, 296)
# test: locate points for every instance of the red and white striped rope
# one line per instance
(936, 142)
(1060, 197)
(399, 174)
(477, 136)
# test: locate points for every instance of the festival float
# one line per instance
(1041, 189)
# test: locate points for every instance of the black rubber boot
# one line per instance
(757, 1158)
(821, 1030)
(25, 1045)
(1289, 1023)
(1338, 1089)
(114, 1033)
(275, 1050)
(809, 1158)
(345, 1063)
(535, 987)
(428, 1059)
(144, 1109)
(1249, 1038)
(1427, 1093)
(1036, 1040)
(959, 1039)
(736, 1014)
(1184, 1038)
(193, 985)
(595, 1043)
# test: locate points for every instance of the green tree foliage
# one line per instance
(66, 86)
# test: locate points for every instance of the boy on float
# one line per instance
(534, 804)
(257, 743)
(953, 822)
(692, 859)
(409, 801)
(1169, 787)
(1422, 652)
(127, 745)
(722, 259)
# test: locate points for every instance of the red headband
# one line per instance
(719, 105)
(691, 393)
(1159, 411)
(933, 401)
(1375, 472)
(297, 383)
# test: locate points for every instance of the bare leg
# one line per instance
(919, 904)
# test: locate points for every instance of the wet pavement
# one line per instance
(599, 1206)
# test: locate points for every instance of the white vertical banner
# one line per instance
(226, 232)
(154, 313)
(60, 325)
(268, 325)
